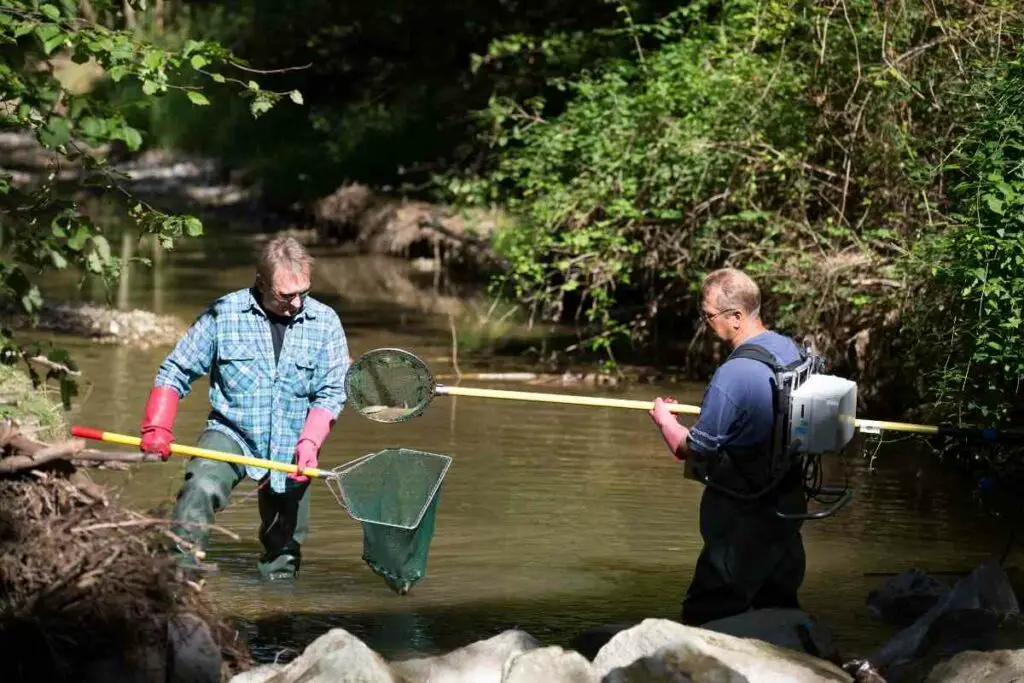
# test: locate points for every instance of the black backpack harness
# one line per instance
(756, 474)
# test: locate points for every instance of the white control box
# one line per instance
(822, 414)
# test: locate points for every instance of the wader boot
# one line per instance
(284, 518)
(751, 559)
(207, 488)
(284, 523)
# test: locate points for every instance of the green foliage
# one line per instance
(972, 274)
(43, 225)
(794, 139)
(391, 88)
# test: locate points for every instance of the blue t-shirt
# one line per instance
(737, 406)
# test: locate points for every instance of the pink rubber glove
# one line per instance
(158, 422)
(307, 449)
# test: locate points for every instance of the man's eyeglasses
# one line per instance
(286, 298)
(706, 319)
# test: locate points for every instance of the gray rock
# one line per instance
(551, 665)
(906, 596)
(712, 656)
(335, 657)
(193, 654)
(790, 628)
(986, 588)
(258, 674)
(960, 631)
(481, 662)
(670, 666)
(1000, 666)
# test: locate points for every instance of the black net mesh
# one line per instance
(389, 385)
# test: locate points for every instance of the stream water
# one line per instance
(552, 518)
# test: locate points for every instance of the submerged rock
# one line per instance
(987, 588)
(705, 655)
(906, 596)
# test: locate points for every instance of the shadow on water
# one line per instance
(552, 518)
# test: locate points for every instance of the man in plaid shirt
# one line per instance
(277, 360)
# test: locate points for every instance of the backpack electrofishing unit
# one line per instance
(815, 414)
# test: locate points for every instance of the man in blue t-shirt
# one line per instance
(752, 558)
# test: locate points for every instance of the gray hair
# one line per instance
(732, 288)
(280, 252)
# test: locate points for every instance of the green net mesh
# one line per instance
(394, 493)
(389, 385)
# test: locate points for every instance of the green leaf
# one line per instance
(154, 59)
(24, 28)
(295, 96)
(51, 12)
(261, 104)
(198, 61)
(218, 78)
(150, 87)
(193, 226)
(131, 137)
(32, 300)
(57, 132)
(81, 235)
(50, 36)
(198, 98)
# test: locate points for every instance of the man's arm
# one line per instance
(191, 357)
(675, 434)
(718, 415)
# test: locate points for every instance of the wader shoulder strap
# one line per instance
(759, 353)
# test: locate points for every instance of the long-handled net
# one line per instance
(394, 494)
(393, 385)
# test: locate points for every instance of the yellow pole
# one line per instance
(178, 449)
(561, 398)
(867, 426)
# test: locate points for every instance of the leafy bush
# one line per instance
(968, 311)
(794, 139)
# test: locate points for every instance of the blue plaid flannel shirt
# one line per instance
(261, 406)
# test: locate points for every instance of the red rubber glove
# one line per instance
(158, 422)
(314, 432)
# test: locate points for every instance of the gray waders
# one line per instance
(752, 559)
(284, 517)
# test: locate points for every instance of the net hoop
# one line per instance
(362, 372)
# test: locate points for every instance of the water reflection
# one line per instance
(552, 518)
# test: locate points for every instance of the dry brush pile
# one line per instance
(87, 590)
